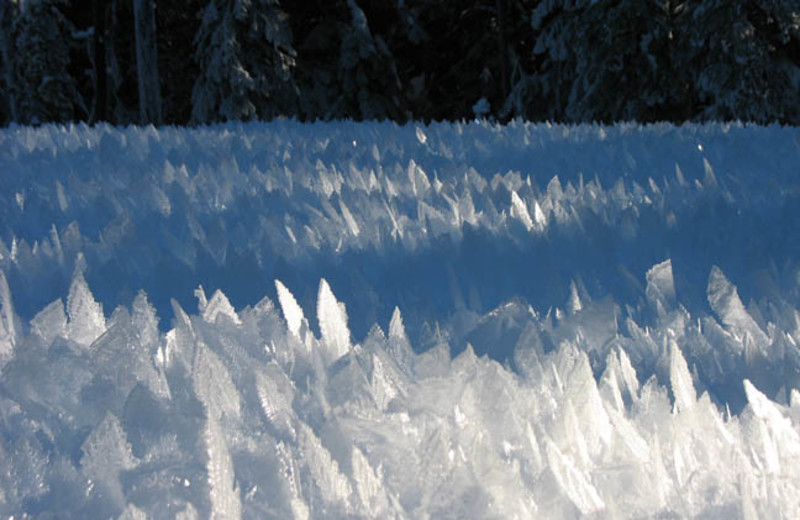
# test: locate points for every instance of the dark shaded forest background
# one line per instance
(202, 61)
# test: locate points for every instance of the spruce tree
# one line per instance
(147, 61)
(245, 55)
(44, 91)
(347, 70)
(471, 50)
(122, 72)
(178, 23)
(367, 73)
(737, 52)
(624, 62)
(545, 94)
(100, 70)
(8, 14)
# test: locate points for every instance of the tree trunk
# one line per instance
(6, 55)
(100, 72)
(502, 47)
(144, 12)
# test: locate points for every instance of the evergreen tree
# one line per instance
(624, 63)
(519, 47)
(100, 70)
(103, 59)
(560, 60)
(178, 23)
(123, 95)
(646, 60)
(44, 91)
(544, 94)
(399, 25)
(347, 70)
(471, 50)
(367, 73)
(244, 50)
(738, 54)
(147, 61)
(8, 14)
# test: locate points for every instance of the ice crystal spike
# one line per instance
(223, 493)
(724, 300)
(86, 319)
(659, 390)
(661, 284)
(8, 323)
(292, 312)
(680, 379)
(332, 318)
(219, 305)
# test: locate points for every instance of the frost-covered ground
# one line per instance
(365, 320)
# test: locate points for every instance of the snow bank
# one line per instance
(244, 414)
(635, 289)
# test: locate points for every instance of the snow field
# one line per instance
(625, 377)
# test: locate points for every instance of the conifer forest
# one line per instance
(204, 61)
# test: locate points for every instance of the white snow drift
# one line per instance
(639, 383)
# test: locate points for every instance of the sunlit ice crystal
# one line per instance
(500, 442)
(465, 321)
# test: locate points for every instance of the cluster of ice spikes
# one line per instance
(251, 414)
(579, 347)
(234, 207)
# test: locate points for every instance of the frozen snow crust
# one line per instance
(635, 288)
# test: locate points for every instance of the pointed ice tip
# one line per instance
(397, 328)
(574, 304)
(8, 322)
(468, 356)
(181, 318)
(720, 291)
(681, 379)
(332, 318)
(709, 179)
(398, 345)
(106, 449)
(202, 301)
(219, 305)
(723, 297)
(762, 406)
(661, 283)
(519, 211)
(292, 312)
(679, 177)
(539, 218)
(554, 188)
(86, 319)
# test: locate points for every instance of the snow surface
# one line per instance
(583, 322)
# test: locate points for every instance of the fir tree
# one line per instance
(244, 50)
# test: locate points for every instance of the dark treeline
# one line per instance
(203, 61)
